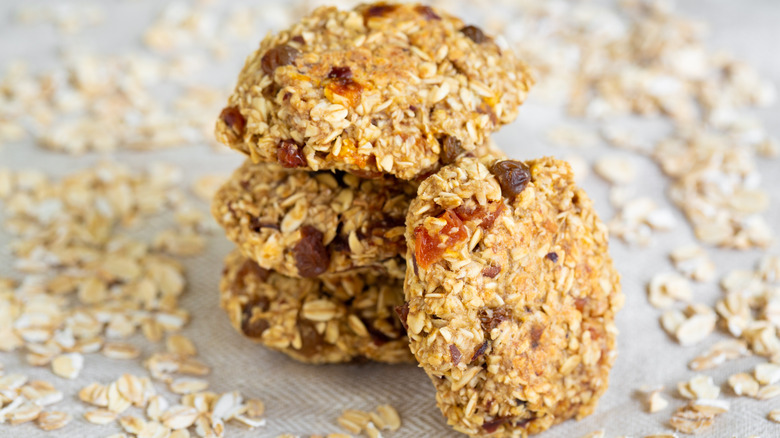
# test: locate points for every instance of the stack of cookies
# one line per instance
(374, 219)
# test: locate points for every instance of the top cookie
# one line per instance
(383, 88)
(511, 295)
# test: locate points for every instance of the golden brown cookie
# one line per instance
(383, 88)
(313, 320)
(511, 295)
(305, 224)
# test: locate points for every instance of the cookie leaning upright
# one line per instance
(383, 88)
(511, 295)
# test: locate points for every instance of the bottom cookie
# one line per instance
(313, 320)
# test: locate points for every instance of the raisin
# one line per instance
(378, 10)
(512, 176)
(234, 120)
(491, 318)
(427, 12)
(290, 155)
(339, 244)
(493, 425)
(455, 354)
(298, 39)
(254, 327)
(491, 271)
(311, 256)
(536, 335)
(403, 313)
(277, 57)
(551, 256)
(340, 73)
(480, 351)
(450, 149)
(474, 34)
(311, 339)
(429, 249)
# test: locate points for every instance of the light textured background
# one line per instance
(303, 399)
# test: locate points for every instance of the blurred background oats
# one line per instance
(109, 319)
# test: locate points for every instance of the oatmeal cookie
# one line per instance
(316, 320)
(511, 295)
(305, 224)
(382, 88)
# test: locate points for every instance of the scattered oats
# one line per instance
(709, 406)
(179, 417)
(256, 408)
(187, 385)
(132, 424)
(130, 388)
(692, 260)
(774, 415)
(26, 412)
(719, 353)
(700, 386)
(100, 416)
(699, 323)
(767, 373)
(156, 406)
(656, 402)
(120, 350)
(53, 420)
(595, 434)
(666, 288)
(688, 420)
(616, 169)
(390, 417)
(180, 344)
(94, 394)
(68, 365)
(768, 392)
(637, 218)
(250, 422)
(228, 405)
(744, 384)
(385, 417)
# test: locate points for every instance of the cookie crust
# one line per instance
(511, 299)
(382, 88)
(313, 320)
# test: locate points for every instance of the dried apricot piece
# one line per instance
(429, 249)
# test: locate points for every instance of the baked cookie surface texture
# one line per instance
(384, 88)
